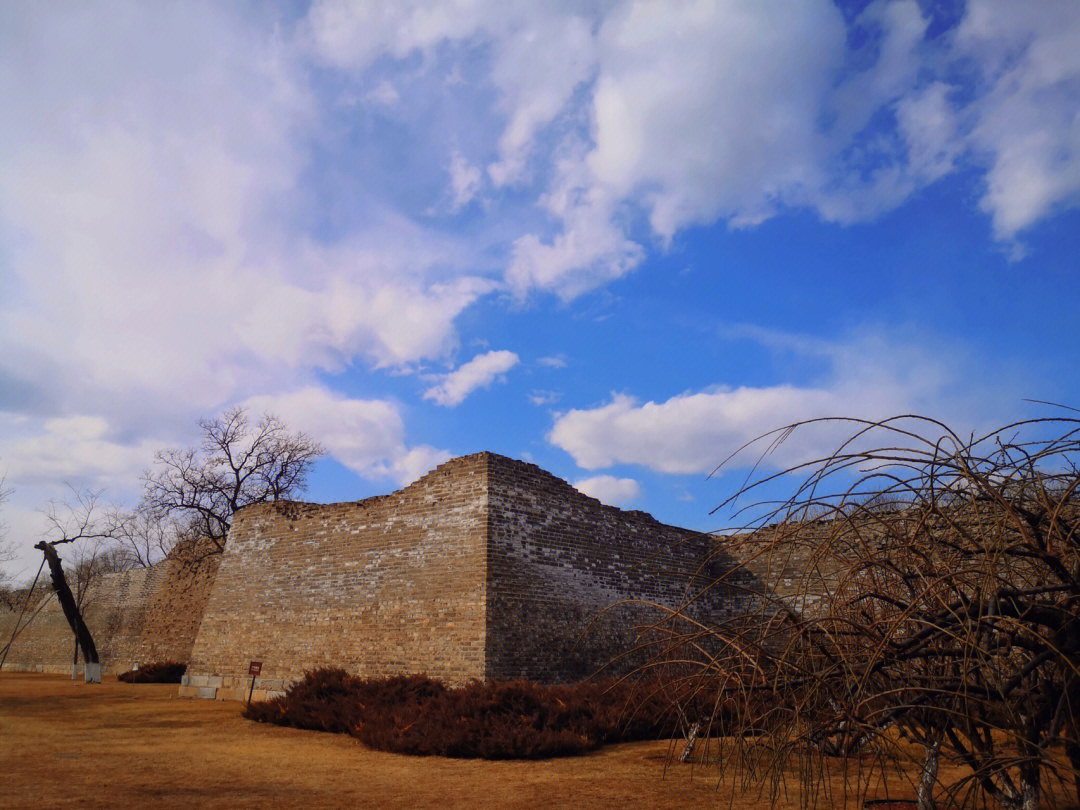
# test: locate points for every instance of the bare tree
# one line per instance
(237, 463)
(144, 535)
(81, 522)
(919, 592)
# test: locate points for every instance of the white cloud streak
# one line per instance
(367, 436)
(609, 489)
(872, 376)
(480, 372)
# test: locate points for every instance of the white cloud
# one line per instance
(553, 361)
(149, 204)
(540, 53)
(464, 181)
(540, 397)
(385, 93)
(688, 433)
(609, 489)
(480, 372)
(734, 111)
(873, 375)
(81, 449)
(1026, 124)
(367, 436)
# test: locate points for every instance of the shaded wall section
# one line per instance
(382, 586)
(142, 615)
(574, 585)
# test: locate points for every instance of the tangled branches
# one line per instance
(919, 591)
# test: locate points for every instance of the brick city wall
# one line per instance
(142, 615)
(569, 579)
(387, 585)
(484, 568)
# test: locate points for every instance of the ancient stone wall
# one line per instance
(573, 584)
(142, 615)
(486, 567)
(382, 586)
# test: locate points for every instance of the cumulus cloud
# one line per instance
(1026, 125)
(609, 489)
(148, 224)
(874, 375)
(367, 436)
(480, 372)
(81, 449)
(540, 397)
(656, 112)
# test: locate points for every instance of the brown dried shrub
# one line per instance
(414, 714)
(157, 672)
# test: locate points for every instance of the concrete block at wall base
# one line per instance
(184, 680)
(93, 673)
(214, 680)
(197, 680)
(188, 691)
(208, 692)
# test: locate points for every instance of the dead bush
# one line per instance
(414, 714)
(157, 672)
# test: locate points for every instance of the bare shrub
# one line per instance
(918, 593)
(156, 672)
(414, 714)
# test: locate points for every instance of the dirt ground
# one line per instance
(67, 744)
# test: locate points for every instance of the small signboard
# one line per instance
(254, 668)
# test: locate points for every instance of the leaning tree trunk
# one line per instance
(71, 613)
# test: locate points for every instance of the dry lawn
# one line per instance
(67, 744)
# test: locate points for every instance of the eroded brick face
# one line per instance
(382, 586)
(486, 567)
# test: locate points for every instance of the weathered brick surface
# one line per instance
(573, 583)
(382, 586)
(485, 568)
(148, 614)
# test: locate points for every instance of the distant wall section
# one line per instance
(142, 615)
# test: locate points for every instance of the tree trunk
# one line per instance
(71, 613)
(928, 776)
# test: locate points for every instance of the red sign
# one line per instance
(255, 668)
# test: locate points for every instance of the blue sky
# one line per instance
(618, 239)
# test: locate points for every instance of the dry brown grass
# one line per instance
(67, 744)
